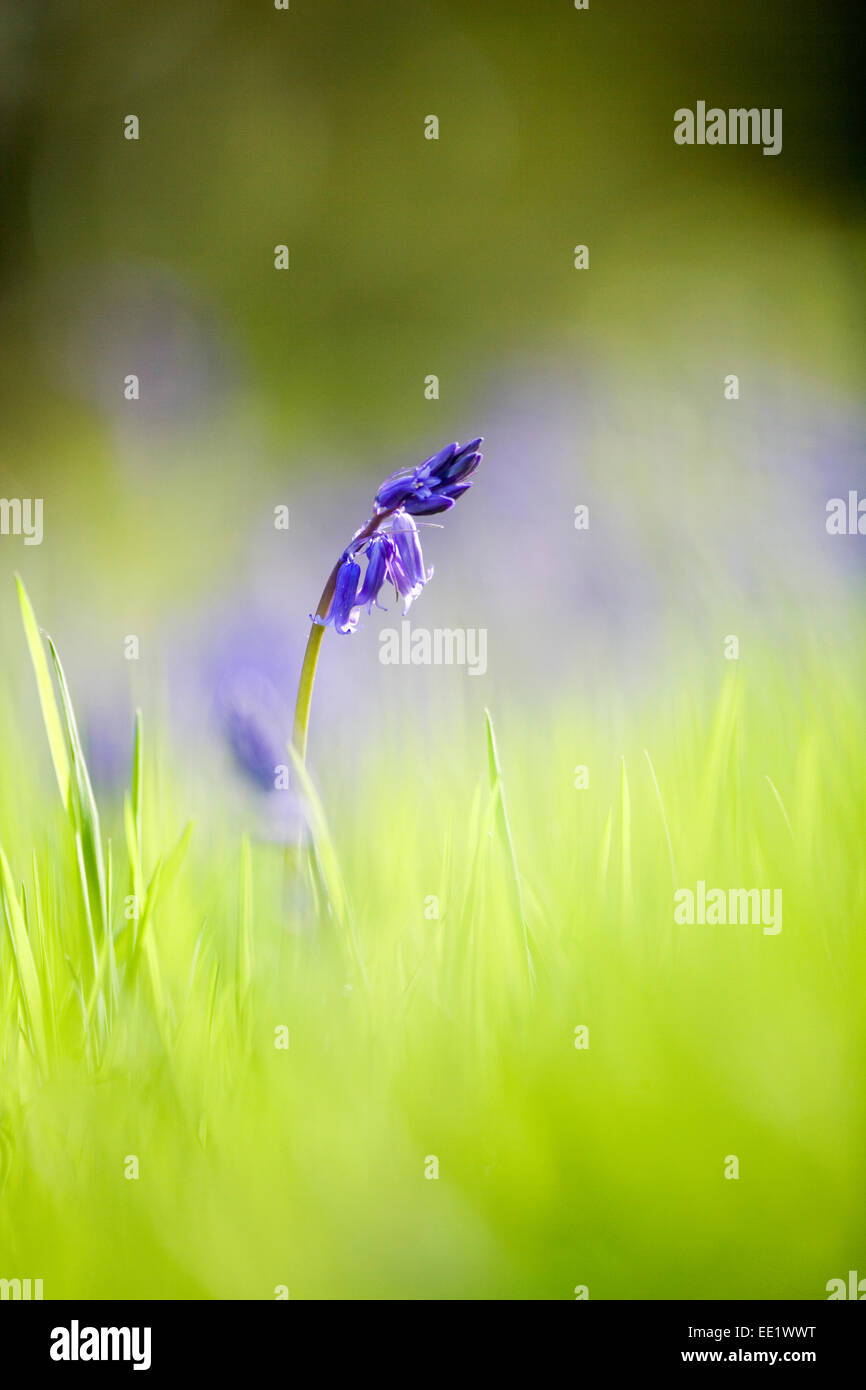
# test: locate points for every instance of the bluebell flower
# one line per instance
(406, 565)
(435, 485)
(389, 543)
(344, 608)
(380, 551)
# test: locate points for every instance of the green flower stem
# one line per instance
(308, 670)
(314, 642)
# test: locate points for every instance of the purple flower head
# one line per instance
(435, 484)
(390, 543)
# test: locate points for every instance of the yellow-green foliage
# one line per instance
(287, 1040)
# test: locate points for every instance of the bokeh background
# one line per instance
(306, 387)
(411, 257)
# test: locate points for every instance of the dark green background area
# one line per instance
(408, 256)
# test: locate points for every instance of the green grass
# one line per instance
(412, 1035)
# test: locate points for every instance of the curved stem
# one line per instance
(305, 690)
(308, 669)
(314, 641)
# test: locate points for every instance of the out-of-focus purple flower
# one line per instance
(240, 668)
(109, 741)
(255, 723)
(435, 484)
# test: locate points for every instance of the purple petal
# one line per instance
(455, 490)
(436, 462)
(405, 537)
(345, 597)
(397, 576)
(461, 467)
(377, 557)
(428, 506)
(394, 489)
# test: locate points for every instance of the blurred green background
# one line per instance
(410, 257)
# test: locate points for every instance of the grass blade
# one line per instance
(327, 859)
(663, 816)
(26, 973)
(498, 790)
(47, 698)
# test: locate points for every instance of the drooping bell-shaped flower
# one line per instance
(343, 611)
(379, 551)
(406, 564)
(390, 544)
